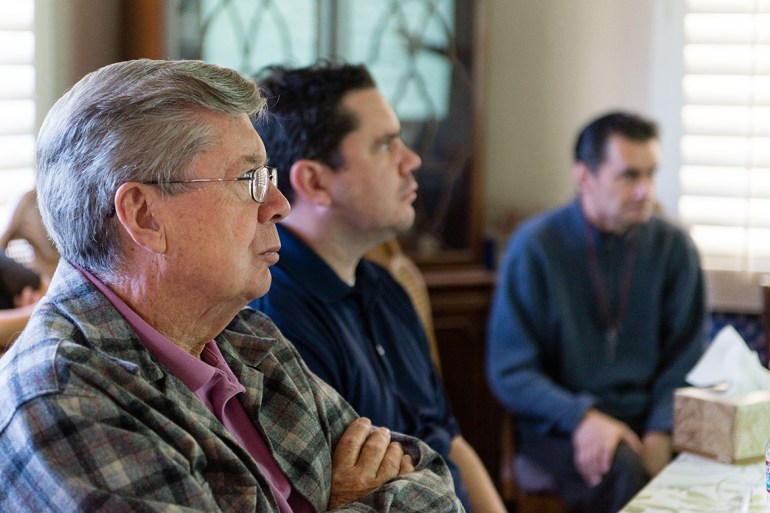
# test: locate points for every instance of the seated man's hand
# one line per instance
(364, 460)
(657, 451)
(595, 441)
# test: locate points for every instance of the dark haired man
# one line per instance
(349, 178)
(598, 316)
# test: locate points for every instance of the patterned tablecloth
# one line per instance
(692, 484)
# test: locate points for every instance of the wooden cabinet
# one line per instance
(460, 300)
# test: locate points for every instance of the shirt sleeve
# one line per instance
(518, 329)
(683, 331)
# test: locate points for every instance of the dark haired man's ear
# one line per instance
(581, 173)
(310, 179)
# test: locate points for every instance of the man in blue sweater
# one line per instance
(349, 177)
(598, 316)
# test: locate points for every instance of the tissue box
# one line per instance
(728, 429)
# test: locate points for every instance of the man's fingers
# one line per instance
(365, 459)
(593, 461)
(391, 462)
(604, 460)
(373, 451)
(592, 473)
(364, 449)
(633, 441)
(406, 466)
(349, 448)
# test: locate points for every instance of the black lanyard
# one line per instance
(612, 324)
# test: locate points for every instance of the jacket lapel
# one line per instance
(280, 411)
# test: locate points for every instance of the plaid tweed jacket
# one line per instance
(89, 421)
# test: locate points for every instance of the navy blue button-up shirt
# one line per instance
(366, 341)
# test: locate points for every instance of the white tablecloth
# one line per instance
(693, 484)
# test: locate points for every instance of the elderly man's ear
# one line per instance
(136, 207)
(311, 180)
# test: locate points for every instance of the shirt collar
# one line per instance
(304, 265)
(600, 237)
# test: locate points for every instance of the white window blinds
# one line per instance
(17, 99)
(725, 147)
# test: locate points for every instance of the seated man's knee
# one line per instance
(628, 469)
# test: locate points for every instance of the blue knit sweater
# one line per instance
(549, 359)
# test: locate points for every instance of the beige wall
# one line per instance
(554, 64)
(75, 37)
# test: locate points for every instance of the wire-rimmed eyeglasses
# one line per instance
(259, 181)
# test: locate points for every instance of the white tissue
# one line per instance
(730, 364)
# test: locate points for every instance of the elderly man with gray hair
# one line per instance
(140, 382)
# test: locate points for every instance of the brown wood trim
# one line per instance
(143, 34)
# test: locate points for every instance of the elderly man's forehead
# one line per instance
(236, 139)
